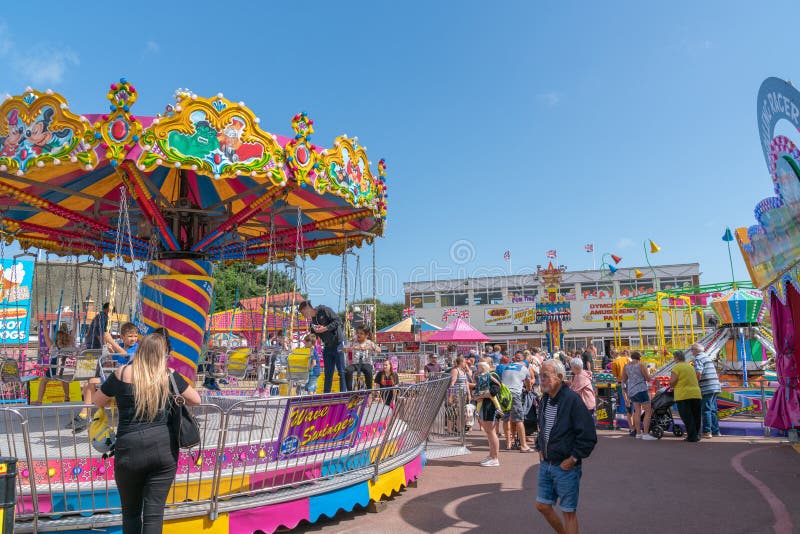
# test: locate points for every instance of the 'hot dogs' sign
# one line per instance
(16, 281)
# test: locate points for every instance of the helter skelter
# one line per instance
(205, 184)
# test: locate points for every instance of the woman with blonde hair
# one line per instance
(146, 452)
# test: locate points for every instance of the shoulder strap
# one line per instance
(174, 385)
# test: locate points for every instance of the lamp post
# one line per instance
(653, 249)
(728, 238)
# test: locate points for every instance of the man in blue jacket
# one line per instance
(566, 437)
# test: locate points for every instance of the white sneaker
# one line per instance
(648, 437)
(639, 436)
(485, 460)
(491, 463)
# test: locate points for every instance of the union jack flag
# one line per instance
(589, 247)
(507, 255)
(552, 253)
(410, 311)
(464, 314)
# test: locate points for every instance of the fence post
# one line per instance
(8, 493)
(387, 433)
(764, 411)
(462, 416)
(216, 477)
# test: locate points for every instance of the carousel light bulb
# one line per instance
(220, 95)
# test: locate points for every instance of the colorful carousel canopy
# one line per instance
(737, 307)
(458, 331)
(203, 181)
(404, 331)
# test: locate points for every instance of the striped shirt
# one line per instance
(550, 413)
(709, 381)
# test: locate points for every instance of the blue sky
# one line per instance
(524, 126)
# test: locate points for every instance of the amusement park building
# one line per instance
(503, 307)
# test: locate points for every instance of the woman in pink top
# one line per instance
(582, 383)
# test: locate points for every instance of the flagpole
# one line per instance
(510, 270)
(594, 261)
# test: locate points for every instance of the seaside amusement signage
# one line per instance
(16, 280)
(315, 424)
(600, 312)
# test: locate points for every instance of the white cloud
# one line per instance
(6, 44)
(38, 64)
(45, 64)
(152, 47)
(550, 99)
(624, 242)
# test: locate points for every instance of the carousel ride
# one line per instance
(174, 194)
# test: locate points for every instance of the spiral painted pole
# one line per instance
(176, 294)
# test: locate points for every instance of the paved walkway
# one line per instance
(728, 485)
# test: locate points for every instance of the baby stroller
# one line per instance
(661, 421)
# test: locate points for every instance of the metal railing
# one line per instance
(254, 452)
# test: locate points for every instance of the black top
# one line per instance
(573, 432)
(94, 335)
(123, 392)
(386, 380)
(327, 317)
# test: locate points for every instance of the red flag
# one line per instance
(507, 255)
(588, 247)
(551, 253)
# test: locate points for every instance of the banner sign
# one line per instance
(524, 315)
(602, 312)
(314, 424)
(16, 282)
(497, 316)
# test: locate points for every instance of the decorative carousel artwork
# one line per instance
(38, 129)
(214, 136)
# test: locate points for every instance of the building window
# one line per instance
(517, 295)
(597, 290)
(423, 300)
(632, 288)
(454, 299)
(674, 282)
(482, 297)
(567, 291)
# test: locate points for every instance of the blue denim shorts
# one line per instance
(556, 484)
(641, 397)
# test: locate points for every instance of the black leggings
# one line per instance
(366, 370)
(690, 415)
(145, 462)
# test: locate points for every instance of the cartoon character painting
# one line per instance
(202, 142)
(230, 141)
(9, 145)
(42, 139)
(217, 147)
(25, 142)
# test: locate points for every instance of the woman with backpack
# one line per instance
(487, 387)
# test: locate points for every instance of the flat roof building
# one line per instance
(503, 307)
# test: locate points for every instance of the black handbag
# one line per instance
(182, 423)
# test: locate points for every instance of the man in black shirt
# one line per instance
(327, 325)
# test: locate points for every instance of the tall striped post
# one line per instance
(176, 294)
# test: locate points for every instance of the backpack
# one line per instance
(504, 396)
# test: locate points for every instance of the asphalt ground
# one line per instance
(721, 485)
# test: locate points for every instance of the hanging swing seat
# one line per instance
(298, 369)
(223, 363)
(76, 366)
